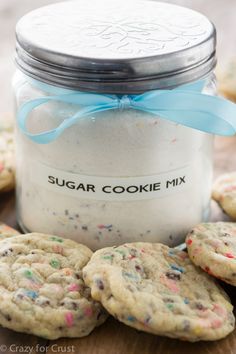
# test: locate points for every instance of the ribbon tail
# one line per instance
(201, 121)
(206, 113)
(51, 135)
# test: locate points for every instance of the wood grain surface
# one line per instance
(114, 337)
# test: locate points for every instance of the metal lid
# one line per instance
(115, 47)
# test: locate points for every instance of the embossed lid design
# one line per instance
(121, 47)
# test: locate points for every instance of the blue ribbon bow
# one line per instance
(184, 105)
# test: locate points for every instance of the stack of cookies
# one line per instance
(53, 287)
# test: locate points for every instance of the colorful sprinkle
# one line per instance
(58, 249)
(31, 294)
(88, 311)
(172, 253)
(131, 256)
(169, 283)
(170, 306)
(216, 323)
(73, 287)
(175, 267)
(229, 255)
(35, 282)
(101, 226)
(69, 319)
(130, 275)
(208, 270)
(28, 274)
(230, 188)
(131, 318)
(56, 239)
(123, 253)
(67, 271)
(189, 241)
(219, 310)
(198, 330)
(107, 257)
(1, 167)
(186, 301)
(100, 284)
(55, 263)
(147, 320)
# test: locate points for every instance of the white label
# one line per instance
(110, 188)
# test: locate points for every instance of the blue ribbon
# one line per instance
(184, 105)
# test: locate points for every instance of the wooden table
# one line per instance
(114, 337)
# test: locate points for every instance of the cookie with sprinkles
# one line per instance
(41, 287)
(7, 159)
(157, 289)
(224, 193)
(7, 231)
(212, 246)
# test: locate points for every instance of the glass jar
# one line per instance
(120, 175)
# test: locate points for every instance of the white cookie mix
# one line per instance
(116, 144)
